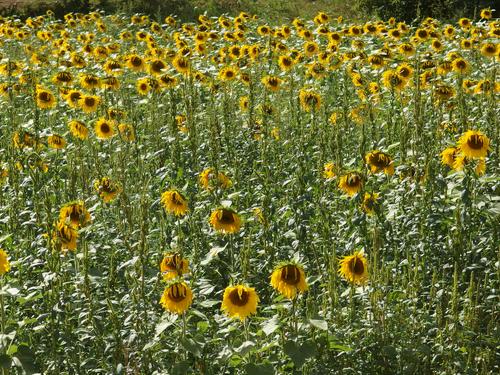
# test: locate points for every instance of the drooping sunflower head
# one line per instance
(208, 181)
(289, 279)
(78, 129)
(107, 189)
(174, 202)
(272, 83)
(55, 141)
(370, 203)
(89, 103)
(309, 100)
(449, 155)
(379, 161)
(75, 213)
(474, 144)
(354, 268)
(225, 220)
(177, 297)
(351, 183)
(173, 265)
(65, 235)
(240, 301)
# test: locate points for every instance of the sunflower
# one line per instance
(309, 100)
(89, 103)
(75, 213)
(181, 64)
(289, 279)
(354, 268)
(225, 220)
(486, 13)
(239, 301)
(228, 73)
(55, 141)
(4, 262)
(460, 65)
(62, 78)
(177, 297)
(351, 183)
(489, 49)
(78, 129)
(107, 189)
(272, 83)
(173, 265)
(65, 235)
(329, 171)
(449, 155)
(370, 203)
(44, 98)
(135, 63)
(104, 128)
(392, 80)
(207, 179)
(174, 202)
(127, 132)
(73, 98)
(474, 144)
(379, 161)
(90, 81)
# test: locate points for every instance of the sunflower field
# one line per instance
(232, 196)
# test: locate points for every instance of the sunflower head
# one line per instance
(329, 171)
(370, 203)
(449, 155)
(177, 297)
(474, 144)
(65, 235)
(107, 189)
(289, 279)
(4, 262)
(354, 268)
(225, 220)
(104, 128)
(379, 161)
(75, 214)
(78, 129)
(173, 265)
(351, 183)
(174, 202)
(240, 301)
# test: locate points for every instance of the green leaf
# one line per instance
(259, 369)
(5, 361)
(320, 324)
(191, 346)
(244, 348)
(270, 325)
(299, 354)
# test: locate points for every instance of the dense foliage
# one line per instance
(232, 196)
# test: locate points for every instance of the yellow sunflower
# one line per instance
(174, 202)
(4, 262)
(309, 100)
(75, 213)
(449, 155)
(173, 265)
(225, 220)
(45, 99)
(379, 161)
(56, 142)
(177, 297)
(329, 171)
(474, 144)
(89, 103)
(370, 203)
(351, 183)
(78, 129)
(104, 128)
(240, 301)
(289, 279)
(272, 83)
(65, 235)
(107, 189)
(354, 268)
(207, 179)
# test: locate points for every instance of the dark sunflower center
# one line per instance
(357, 266)
(136, 61)
(404, 72)
(44, 96)
(177, 199)
(75, 96)
(353, 180)
(229, 74)
(227, 217)
(239, 298)
(177, 292)
(74, 216)
(475, 142)
(105, 128)
(379, 160)
(89, 102)
(157, 66)
(290, 274)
